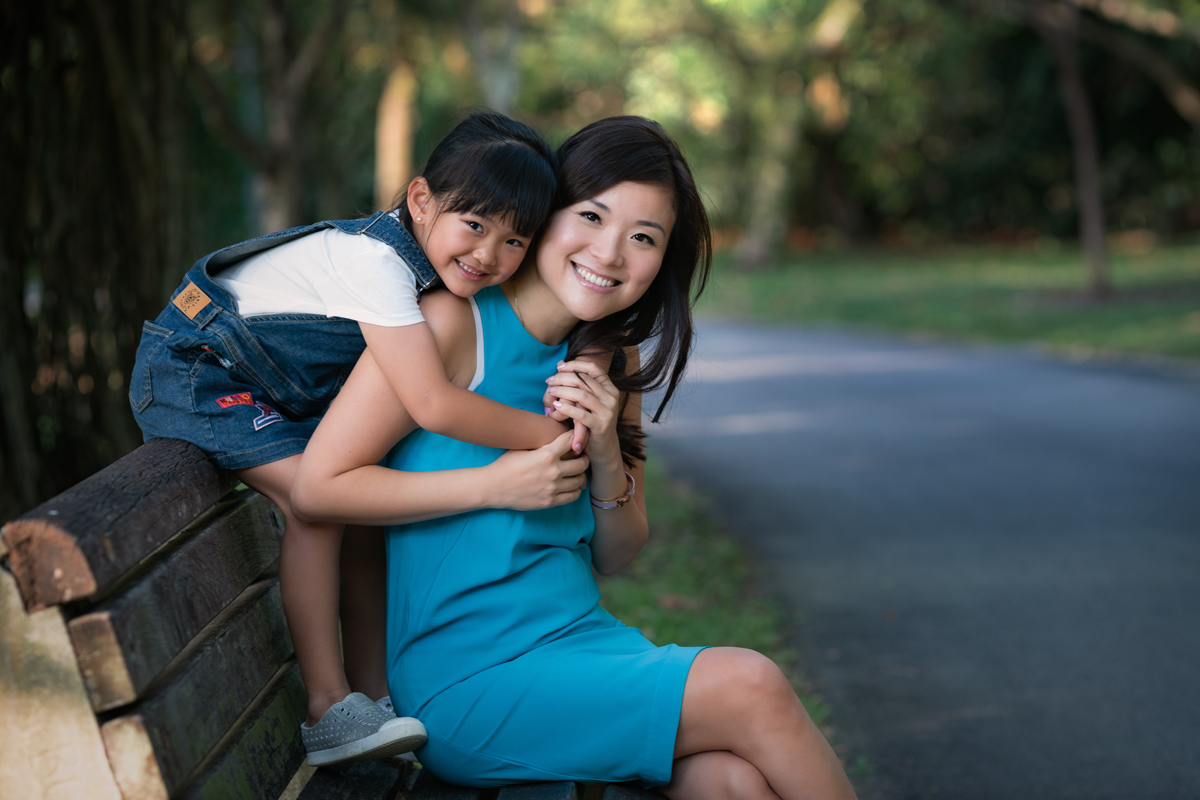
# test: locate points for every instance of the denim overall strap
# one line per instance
(380, 226)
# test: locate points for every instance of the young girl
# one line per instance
(261, 336)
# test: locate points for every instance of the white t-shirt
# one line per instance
(330, 273)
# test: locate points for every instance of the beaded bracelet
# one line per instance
(620, 501)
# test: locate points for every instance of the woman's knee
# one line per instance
(752, 678)
(718, 774)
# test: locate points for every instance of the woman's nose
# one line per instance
(606, 251)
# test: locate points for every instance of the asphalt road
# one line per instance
(993, 555)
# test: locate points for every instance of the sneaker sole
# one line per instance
(397, 739)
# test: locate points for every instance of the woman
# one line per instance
(495, 634)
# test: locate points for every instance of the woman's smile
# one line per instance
(594, 280)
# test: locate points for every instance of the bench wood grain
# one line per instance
(81, 542)
(126, 642)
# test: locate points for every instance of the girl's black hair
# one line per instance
(492, 166)
(598, 157)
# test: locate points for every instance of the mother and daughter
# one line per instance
(557, 266)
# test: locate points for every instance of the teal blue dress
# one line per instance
(496, 638)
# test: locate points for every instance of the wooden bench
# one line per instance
(144, 652)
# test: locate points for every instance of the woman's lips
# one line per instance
(594, 280)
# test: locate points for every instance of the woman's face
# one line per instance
(600, 255)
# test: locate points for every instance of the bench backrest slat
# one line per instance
(124, 643)
(81, 542)
(201, 701)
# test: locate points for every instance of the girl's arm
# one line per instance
(622, 532)
(339, 478)
(409, 359)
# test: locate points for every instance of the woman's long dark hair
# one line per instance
(598, 157)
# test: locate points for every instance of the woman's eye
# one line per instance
(590, 216)
(645, 238)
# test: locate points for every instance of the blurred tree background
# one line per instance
(140, 135)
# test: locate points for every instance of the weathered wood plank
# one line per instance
(428, 787)
(50, 745)
(182, 722)
(358, 780)
(630, 791)
(560, 790)
(126, 642)
(259, 760)
(81, 542)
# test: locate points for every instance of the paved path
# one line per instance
(995, 555)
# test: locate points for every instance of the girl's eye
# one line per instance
(645, 238)
(516, 243)
(475, 226)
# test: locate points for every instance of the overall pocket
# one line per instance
(141, 392)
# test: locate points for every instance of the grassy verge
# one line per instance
(690, 585)
(1000, 295)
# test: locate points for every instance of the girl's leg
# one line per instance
(364, 609)
(308, 583)
(717, 775)
(740, 701)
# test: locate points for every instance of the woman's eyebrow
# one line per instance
(646, 222)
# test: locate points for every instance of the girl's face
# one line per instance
(600, 255)
(468, 251)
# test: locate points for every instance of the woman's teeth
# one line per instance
(592, 277)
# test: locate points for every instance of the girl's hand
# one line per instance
(586, 394)
(526, 480)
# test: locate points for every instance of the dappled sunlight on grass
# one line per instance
(1014, 295)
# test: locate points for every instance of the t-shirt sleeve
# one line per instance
(373, 285)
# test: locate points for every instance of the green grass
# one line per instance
(690, 585)
(1032, 294)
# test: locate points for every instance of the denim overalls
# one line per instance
(250, 391)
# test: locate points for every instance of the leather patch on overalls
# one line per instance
(191, 301)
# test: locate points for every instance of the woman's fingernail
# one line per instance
(549, 410)
(562, 364)
(557, 403)
(552, 390)
(577, 447)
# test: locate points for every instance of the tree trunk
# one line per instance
(91, 220)
(394, 135)
(493, 36)
(781, 118)
(1058, 24)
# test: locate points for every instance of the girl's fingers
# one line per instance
(580, 438)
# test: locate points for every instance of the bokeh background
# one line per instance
(998, 169)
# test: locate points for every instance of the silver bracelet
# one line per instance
(620, 501)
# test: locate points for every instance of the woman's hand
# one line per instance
(587, 395)
(527, 480)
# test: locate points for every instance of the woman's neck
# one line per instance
(538, 309)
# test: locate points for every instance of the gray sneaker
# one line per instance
(385, 703)
(356, 729)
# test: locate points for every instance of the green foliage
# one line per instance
(1006, 295)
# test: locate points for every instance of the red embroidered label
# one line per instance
(239, 399)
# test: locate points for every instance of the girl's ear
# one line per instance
(420, 200)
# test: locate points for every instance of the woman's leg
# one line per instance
(308, 583)
(364, 609)
(740, 701)
(717, 775)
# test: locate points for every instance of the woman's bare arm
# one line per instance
(622, 532)
(339, 478)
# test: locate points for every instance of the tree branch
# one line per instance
(1182, 95)
(301, 70)
(1159, 22)
(120, 82)
(216, 113)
